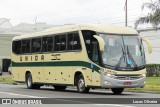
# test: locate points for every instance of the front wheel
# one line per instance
(117, 90)
(30, 83)
(81, 85)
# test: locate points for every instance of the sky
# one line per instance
(59, 12)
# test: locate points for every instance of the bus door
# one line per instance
(95, 58)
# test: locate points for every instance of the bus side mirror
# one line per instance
(100, 41)
(149, 44)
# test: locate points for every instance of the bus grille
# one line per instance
(127, 77)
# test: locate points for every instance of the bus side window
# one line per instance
(63, 43)
(44, 44)
(73, 42)
(25, 46)
(16, 47)
(36, 45)
(50, 44)
(70, 41)
(95, 56)
(47, 44)
(76, 42)
(57, 43)
(60, 43)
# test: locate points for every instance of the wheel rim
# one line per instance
(81, 84)
(29, 82)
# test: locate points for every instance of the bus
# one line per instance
(85, 56)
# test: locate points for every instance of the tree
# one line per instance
(153, 17)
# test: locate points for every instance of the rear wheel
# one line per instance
(60, 87)
(30, 83)
(81, 85)
(117, 90)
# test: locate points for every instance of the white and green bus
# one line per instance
(86, 56)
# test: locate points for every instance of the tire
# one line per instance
(60, 87)
(29, 82)
(117, 90)
(81, 85)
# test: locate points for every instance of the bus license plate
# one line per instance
(127, 83)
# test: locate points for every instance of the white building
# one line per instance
(154, 37)
(7, 32)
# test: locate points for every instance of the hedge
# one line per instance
(153, 70)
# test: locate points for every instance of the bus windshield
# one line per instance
(123, 52)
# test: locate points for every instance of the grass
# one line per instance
(7, 80)
(152, 85)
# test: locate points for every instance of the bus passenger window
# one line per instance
(47, 44)
(50, 44)
(25, 46)
(44, 44)
(63, 43)
(73, 42)
(36, 45)
(70, 41)
(57, 43)
(60, 43)
(16, 47)
(76, 42)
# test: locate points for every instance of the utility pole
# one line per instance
(126, 10)
(35, 21)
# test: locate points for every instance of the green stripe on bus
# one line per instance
(58, 63)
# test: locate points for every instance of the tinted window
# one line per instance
(70, 41)
(60, 43)
(57, 43)
(36, 45)
(73, 42)
(16, 47)
(25, 46)
(63, 43)
(76, 42)
(47, 44)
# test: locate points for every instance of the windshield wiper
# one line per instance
(121, 58)
(130, 57)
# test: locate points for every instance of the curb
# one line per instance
(14, 83)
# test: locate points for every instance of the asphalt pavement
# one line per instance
(70, 97)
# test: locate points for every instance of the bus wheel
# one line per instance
(29, 82)
(60, 87)
(81, 85)
(117, 90)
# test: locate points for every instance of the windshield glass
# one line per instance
(123, 52)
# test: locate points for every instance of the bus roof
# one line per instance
(110, 29)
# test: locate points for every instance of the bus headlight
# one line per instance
(142, 75)
(109, 75)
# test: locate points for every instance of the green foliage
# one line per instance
(153, 70)
(6, 79)
(153, 81)
(153, 17)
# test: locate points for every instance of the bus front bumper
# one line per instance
(108, 82)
